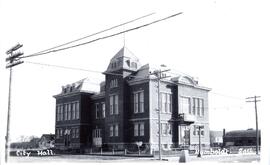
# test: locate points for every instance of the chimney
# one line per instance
(224, 132)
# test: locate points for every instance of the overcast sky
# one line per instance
(225, 44)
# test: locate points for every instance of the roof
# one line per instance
(84, 85)
(48, 136)
(87, 85)
(124, 59)
(242, 133)
(147, 70)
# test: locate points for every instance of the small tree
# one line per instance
(139, 144)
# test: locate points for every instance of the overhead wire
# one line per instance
(91, 35)
(104, 37)
(81, 69)
(118, 74)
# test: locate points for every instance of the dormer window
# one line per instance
(134, 65)
(71, 89)
(114, 65)
(128, 62)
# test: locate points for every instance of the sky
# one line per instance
(225, 44)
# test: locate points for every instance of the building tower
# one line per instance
(123, 64)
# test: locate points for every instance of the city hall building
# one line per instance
(125, 110)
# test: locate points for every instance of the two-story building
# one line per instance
(125, 110)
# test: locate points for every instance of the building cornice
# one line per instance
(62, 95)
(98, 96)
(141, 81)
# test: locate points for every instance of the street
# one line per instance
(234, 158)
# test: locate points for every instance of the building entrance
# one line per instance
(184, 135)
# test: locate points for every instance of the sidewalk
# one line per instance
(220, 158)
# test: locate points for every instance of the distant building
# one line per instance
(124, 110)
(216, 138)
(241, 138)
(46, 141)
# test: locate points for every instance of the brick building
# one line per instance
(124, 110)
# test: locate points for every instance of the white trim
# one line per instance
(150, 111)
(141, 90)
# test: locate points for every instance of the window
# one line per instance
(114, 130)
(57, 133)
(201, 105)
(65, 111)
(103, 110)
(77, 110)
(75, 132)
(202, 132)
(111, 105)
(113, 83)
(141, 99)
(73, 111)
(163, 102)
(96, 133)
(139, 129)
(69, 111)
(136, 102)
(163, 129)
(196, 130)
(166, 103)
(61, 112)
(142, 129)
(57, 113)
(60, 132)
(198, 107)
(166, 129)
(111, 130)
(169, 103)
(194, 106)
(139, 102)
(97, 111)
(59, 107)
(169, 129)
(136, 129)
(185, 106)
(134, 65)
(114, 104)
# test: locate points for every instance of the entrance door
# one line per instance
(97, 138)
(67, 140)
(184, 136)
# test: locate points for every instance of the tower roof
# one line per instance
(124, 59)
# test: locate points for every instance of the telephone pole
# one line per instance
(199, 127)
(160, 75)
(13, 60)
(255, 100)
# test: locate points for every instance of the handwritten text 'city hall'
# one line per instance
(36, 153)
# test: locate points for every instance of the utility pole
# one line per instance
(255, 100)
(199, 127)
(160, 76)
(13, 60)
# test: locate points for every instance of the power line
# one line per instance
(224, 95)
(105, 37)
(102, 31)
(117, 74)
(82, 69)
